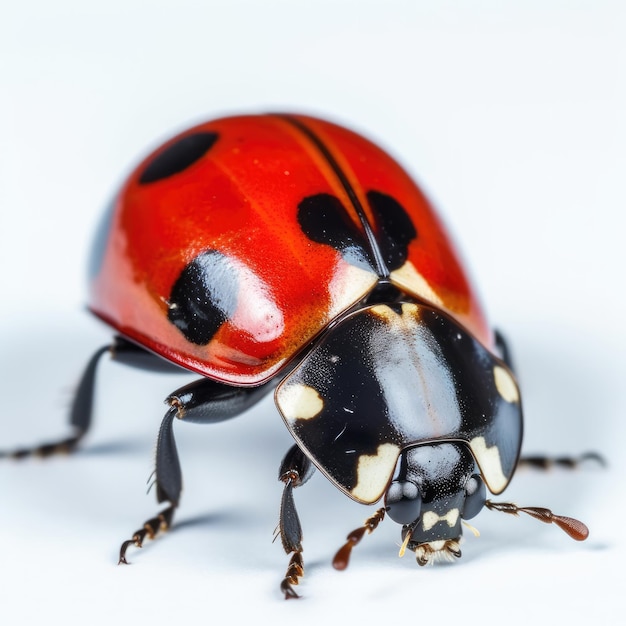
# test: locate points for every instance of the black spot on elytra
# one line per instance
(324, 219)
(178, 157)
(393, 228)
(203, 297)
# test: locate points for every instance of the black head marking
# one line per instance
(203, 297)
(178, 157)
(393, 228)
(324, 219)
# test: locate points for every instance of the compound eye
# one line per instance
(475, 495)
(403, 501)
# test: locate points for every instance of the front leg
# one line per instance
(295, 470)
(205, 402)
(169, 485)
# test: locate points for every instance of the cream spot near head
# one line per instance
(490, 464)
(374, 471)
(430, 518)
(299, 402)
(505, 384)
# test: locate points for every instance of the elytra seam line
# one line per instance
(381, 266)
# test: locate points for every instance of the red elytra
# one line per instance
(241, 198)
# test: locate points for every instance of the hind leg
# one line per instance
(541, 461)
(80, 415)
(81, 412)
(568, 462)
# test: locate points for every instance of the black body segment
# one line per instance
(393, 376)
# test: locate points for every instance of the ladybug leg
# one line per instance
(342, 557)
(569, 462)
(294, 471)
(503, 350)
(203, 401)
(82, 407)
(572, 527)
(80, 415)
(540, 461)
(168, 484)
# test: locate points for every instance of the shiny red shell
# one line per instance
(241, 199)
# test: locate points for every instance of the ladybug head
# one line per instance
(434, 488)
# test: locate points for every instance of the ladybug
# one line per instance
(283, 253)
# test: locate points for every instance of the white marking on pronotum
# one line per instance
(415, 358)
(430, 518)
(299, 402)
(373, 472)
(490, 464)
(505, 384)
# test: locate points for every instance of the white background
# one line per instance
(510, 114)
